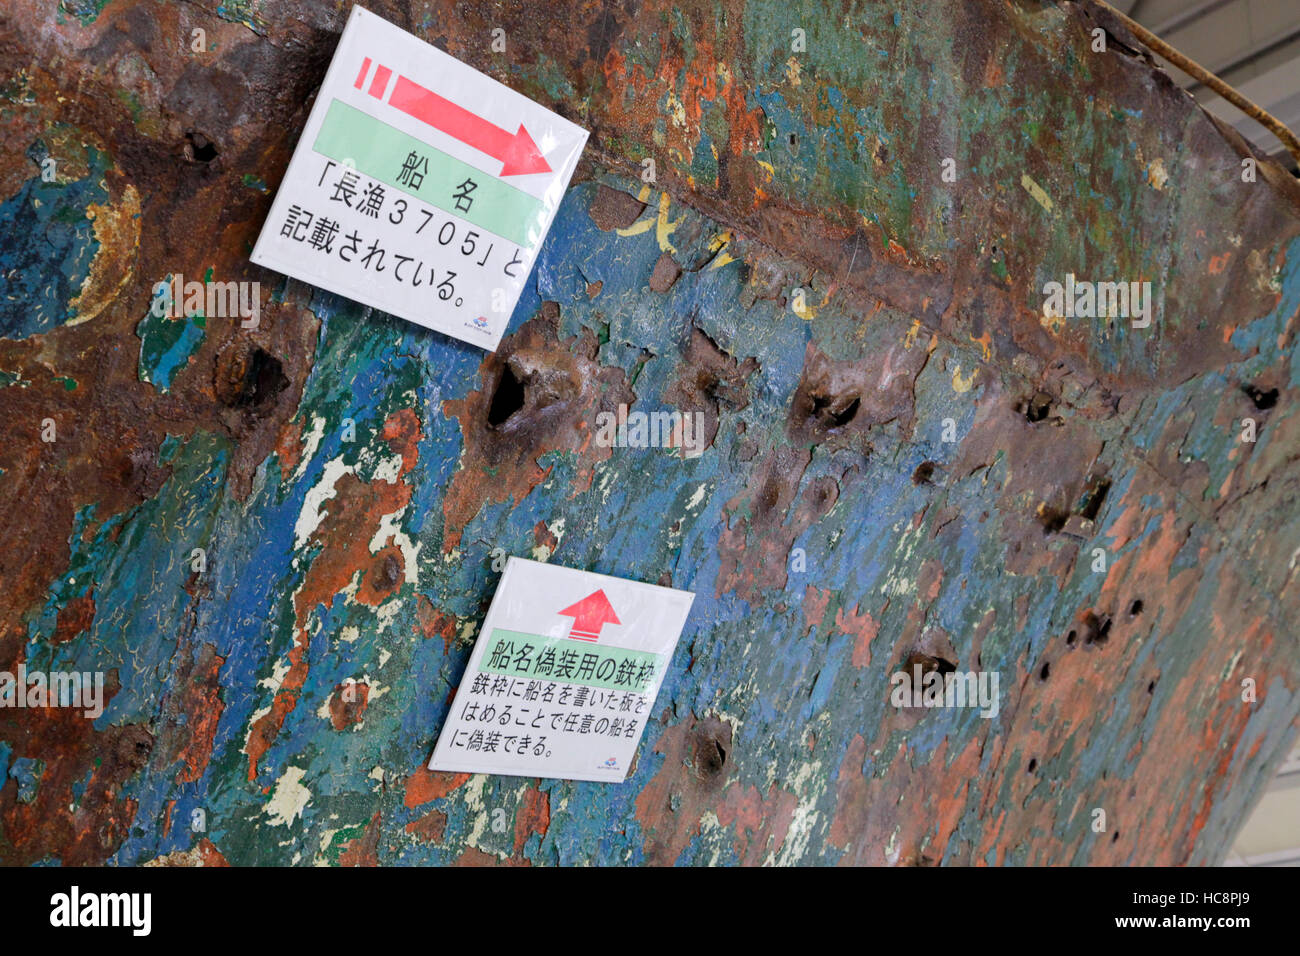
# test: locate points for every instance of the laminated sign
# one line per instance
(563, 676)
(420, 186)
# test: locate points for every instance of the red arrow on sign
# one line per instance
(518, 153)
(589, 615)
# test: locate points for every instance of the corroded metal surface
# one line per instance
(830, 532)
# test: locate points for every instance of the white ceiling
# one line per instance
(1271, 835)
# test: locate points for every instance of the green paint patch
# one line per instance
(245, 12)
(339, 842)
(18, 89)
(69, 383)
(253, 182)
(132, 103)
(166, 346)
(86, 11)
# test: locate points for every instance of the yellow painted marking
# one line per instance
(641, 225)
(792, 69)
(1157, 175)
(719, 245)
(663, 227)
(1036, 191)
(960, 384)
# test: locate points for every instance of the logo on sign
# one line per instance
(590, 615)
(611, 763)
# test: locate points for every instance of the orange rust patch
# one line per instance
(74, 618)
(348, 704)
(863, 627)
(356, 510)
(288, 448)
(815, 602)
(202, 707)
(434, 622)
(534, 816)
(425, 785)
(364, 850)
(544, 538)
(429, 828)
(761, 820)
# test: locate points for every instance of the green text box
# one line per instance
(534, 666)
(379, 150)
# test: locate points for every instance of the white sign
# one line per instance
(420, 186)
(564, 675)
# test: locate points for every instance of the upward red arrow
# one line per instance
(589, 615)
(517, 151)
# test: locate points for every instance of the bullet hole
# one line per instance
(1070, 639)
(1096, 630)
(248, 378)
(927, 664)
(924, 472)
(1135, 608)
(507, 399)
(1038, 407)
(714, 759)
(1151, 687)
(882, 153)
(1263, 400)
(794, 141)
(1046, 671)
(131, 750)
(1033, 764)
(1114, 837)
(1093, 496)
(390, 572)
(198, 148)
(1052, 519)
(832, 413)
(710, 748)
